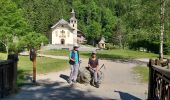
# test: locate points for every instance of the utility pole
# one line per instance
(162, 16)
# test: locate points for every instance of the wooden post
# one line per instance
(14, 58)
(34, 67)
(168, 63)
(150, 85)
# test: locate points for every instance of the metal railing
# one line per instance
(8, 75)
(159, 80)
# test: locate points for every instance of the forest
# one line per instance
(133, 24)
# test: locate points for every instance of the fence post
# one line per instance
(14, 58)
(168, 63)
(150, 85)
(157, 62)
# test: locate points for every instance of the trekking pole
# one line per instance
(102, 67)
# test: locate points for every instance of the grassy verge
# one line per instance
(63, 53)
(3, 56)
(111, 54)
(44, 65)
(56, 52)
(143, 73)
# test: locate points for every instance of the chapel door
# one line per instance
(62, 41)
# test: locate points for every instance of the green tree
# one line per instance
(94, 31)
(12, 23)
(32, 40)
(108, 22)
(126, 19)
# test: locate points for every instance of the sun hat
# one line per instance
(76, 46)
(94, 52)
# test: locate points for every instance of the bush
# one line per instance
(109, 46)
(2, 47)
(167, 48)
(150, 46)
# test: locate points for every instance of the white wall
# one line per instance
(57, 39)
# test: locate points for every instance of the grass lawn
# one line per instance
(111, 54)
(3, 56)
(143, 73)
(44, 65)
(55, 52)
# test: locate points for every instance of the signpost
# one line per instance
(33, 59)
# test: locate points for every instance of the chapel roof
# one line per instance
(62, 22)
(73, 18)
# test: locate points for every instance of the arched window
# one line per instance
(62, 31)
(63, 35)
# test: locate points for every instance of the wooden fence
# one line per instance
(159, 80)
(8, 75)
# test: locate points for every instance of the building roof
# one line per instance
(103, 38)
(62, 22)
(73, 18)
(101, 41)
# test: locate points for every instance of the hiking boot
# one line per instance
(74, 81)
(97, 84)
(70, 82)
(91, 83)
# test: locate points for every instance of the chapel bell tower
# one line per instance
(73, 20)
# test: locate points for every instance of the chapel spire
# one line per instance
(73, 20)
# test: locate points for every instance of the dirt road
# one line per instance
(119, 83)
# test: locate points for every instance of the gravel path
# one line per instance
(70, 47)
(119, 83)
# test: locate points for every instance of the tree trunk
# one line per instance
(162, 28)
(93, 43)
(120, 40)
(7, 49)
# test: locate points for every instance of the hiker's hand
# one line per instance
(97, 70)
(72, 59)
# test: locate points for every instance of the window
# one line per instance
(75, 21)
(73, 25)
(62, 31)
(63, 35)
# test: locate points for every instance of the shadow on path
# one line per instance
(65, 77)
(127, 96)
(45, 90)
